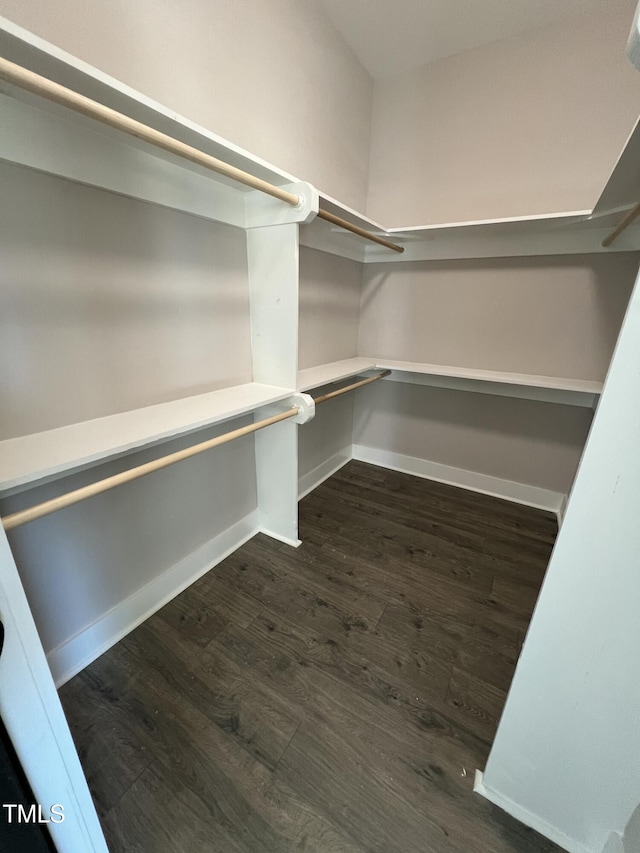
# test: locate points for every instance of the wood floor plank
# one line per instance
(294, 566)
(521, 598)
(261, 724)
(235, 794)
(294, 599)
(432, 756)
(158, 814)
(470, 510)
(475, 648)
(204, 609)
(475, 699)
(418, 587)
(400, 508)
(394, 540)
(111, 752)
(334, 698)
(505, 545)
(328, 772)
(277, 647)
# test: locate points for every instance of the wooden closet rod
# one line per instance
(46, 88)
(23, 516)
(626, 222)
(343, 223)
(324, 397)
(74, 497)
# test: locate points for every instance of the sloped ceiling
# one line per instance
(391, 36)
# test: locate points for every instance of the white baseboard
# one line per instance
(322, 472)
(562, 509)
(295, 543)
(571, 845)
(67, 659)
(615, 844)
(508, 490)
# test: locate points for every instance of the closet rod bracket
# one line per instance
(306, 406)
(304, 403)
(262, 209)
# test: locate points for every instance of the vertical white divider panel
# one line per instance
(566, 757)
(273, 286)
(36, 724)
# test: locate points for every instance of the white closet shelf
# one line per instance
(553, 389)
(567, 233)
(554, 233)
(324, 374)
(45, 456)
(585, 386)
(572, 232)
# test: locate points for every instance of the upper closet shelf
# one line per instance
(576, 232)
(552, 389)
(572, 232)
(45, 456)
(41, 134)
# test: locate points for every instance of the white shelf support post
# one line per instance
(277, 478)
(277, 470)
(36, 724)
(273, 286)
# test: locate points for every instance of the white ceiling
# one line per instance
(390, 36)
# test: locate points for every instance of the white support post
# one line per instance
(277, 474)
(273, 286)
(36, 724)
(277, 458)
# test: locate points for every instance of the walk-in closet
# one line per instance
(318, 426)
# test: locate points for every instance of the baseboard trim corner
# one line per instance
(69, 658)
(562, 510)
(571, 845)
(311, 480)
(508, 490)
(287, 540)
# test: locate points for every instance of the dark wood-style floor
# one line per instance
(336, 698)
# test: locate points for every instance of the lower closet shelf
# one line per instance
(46, 455)
(335, 371)
(552, 389)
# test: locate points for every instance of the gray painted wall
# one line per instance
(553, 316)
(329, 319)
(329, 314)
(522, 441)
